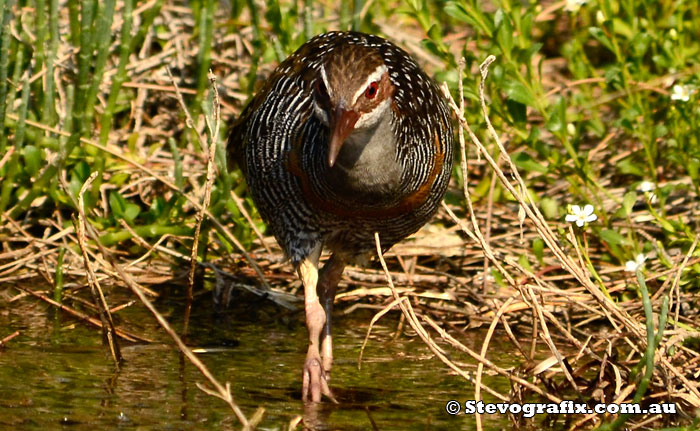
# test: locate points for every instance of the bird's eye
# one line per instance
(371, 90)
(320, 88)
(321, 93)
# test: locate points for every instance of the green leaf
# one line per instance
(666, 225)
(628, 167)
(517, 110)
(121, 208)
(557, 118)
(505, 32)
(498, 277)
(661, 61)
(526, 55)
(79, 175)
(516, 91)
(660, 130)
(628, 202)
(432, 47)
(538, 249)
(600, 36)
(415, 4)
(435, 35)
(472, 16)
(613, 76)
(550, 208)
(119, 178)
(612, 237)
(274, 15)
(526, 162)
(522, 260)
(457, 11)
(526, 20)
(32, 159)
(81, 171)
(640, 44)
(693, 169)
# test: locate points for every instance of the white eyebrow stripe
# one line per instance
(325, 80)
(374, 76)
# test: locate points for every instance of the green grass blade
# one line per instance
(8, 183)
(4, 66)
(48, 112)
(103, 35)
(120, 77)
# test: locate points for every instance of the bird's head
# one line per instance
(352, 93)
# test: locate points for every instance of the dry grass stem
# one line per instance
(210, 150)
(413, 321)
(220, 391)
(484, 350)
(105, 316)
(7, 339)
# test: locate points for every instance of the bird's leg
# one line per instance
(327, 285)
(313, 380)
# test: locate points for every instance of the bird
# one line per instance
(346, 138)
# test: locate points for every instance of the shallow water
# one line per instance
(57, 374)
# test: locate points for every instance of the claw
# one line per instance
(316, 373)
(315, 381)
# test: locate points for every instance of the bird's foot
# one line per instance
(315, 380)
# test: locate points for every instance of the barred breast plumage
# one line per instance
(347, 137)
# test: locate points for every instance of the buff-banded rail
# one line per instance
(347, 137)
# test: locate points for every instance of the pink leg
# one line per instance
(327, 285)
(313, 379)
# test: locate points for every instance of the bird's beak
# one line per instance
(342, 124)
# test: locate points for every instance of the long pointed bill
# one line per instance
(342, 124)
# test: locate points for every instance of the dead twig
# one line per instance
(95, 288)
(8, 338)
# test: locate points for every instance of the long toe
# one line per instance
(314, 382)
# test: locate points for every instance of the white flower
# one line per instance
(571, 129)
(580, 216)
(637, 263)
(599, 18)
(574, 5)
(681, 92)
(647, 187)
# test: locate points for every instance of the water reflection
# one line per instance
(57, 373)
